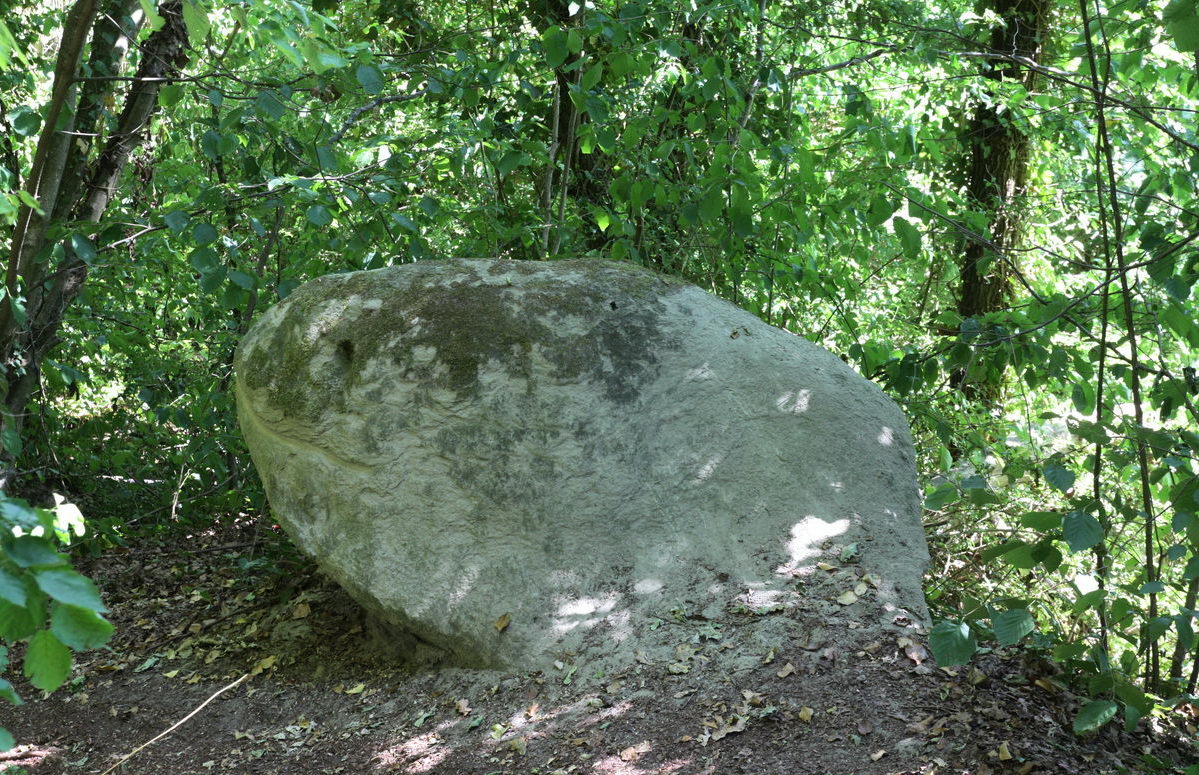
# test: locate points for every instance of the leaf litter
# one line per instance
(850, 696)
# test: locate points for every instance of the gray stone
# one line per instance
(512, 464)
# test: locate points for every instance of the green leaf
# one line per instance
(712, 205)
(84, 248)
(1182, 22)
(25, 121)
(195, 19)
(952, 643)
(880, 210)
(213, 280)
(405, 223)
(941, 497)
(47, 661)
(12, 588)
(1090, 600)
(176, 220)
(555, 44)
(1094, 715)
(270, 104)
(1081, 530)
(70, 587)
(19, 622)
(510, 161)
(204, 234)
(242, 280)
(909, 236)
(741, 213)
(1011, 626)
(8, 693)
(33, 551)
(319, 216)
(1084, 429)
(204, 260)
(371, 78)
(79, 628)
(170, 94)
(16, 512)
(592, 77)
(7, 742)
(1059, 477)
(1043, 521)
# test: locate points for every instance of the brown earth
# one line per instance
(318, 695)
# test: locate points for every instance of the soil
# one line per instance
(316, 691)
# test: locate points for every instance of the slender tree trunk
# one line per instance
(997, 174)
(46, 172)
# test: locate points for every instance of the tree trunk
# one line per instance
(69, 190)
(997, 176)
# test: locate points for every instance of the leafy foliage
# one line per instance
(823, 166)
(38, 583)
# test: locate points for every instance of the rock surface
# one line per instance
(517, 463)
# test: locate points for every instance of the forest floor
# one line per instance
(310, 694)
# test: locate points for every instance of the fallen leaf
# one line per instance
(825, 566)
(1004, 753)
(519, 744)
(877, 755)
(787, 670)
(266, 663)
(357, 689)
(171, 674)
(502, 623)
(865, 727)
(301, 611)
(463, 707)
(724, 728)
(753, 698)
(847, 598)
(860, 589)
(914, 651)
(635, 752)
(805, 714)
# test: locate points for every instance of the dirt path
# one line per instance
(319, 698)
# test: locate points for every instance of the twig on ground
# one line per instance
(174, 726)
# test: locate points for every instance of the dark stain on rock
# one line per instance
(457, 311)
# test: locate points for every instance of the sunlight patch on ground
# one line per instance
(615, 765)
(418, 754)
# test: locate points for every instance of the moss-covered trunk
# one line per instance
(997, 178)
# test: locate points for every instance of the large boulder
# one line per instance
(512, 463)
